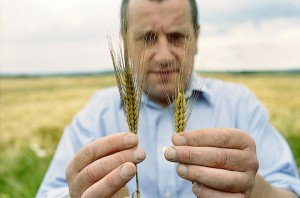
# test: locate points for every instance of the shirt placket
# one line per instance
(166, 169)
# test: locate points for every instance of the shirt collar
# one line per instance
(198, 85)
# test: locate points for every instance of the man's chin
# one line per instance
(160, 91)
(164, 77)
(163, 93)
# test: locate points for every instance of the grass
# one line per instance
(34, 112)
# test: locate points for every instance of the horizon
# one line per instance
(295, 71)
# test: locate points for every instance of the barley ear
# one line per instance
(180, 118)
(130, 79)
(130, 105)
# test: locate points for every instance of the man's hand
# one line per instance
(221, 162)
(104, 166)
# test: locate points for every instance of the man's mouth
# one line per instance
(165, 71)
(165, 75)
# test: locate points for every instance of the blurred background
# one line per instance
(42, 36)
(54, 55)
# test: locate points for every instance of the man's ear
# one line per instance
(197, 37)
(197, 31)
(123, 35)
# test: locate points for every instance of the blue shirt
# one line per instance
(218, 104)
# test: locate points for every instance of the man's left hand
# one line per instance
(220, 162)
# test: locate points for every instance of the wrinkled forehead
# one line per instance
(153, 13)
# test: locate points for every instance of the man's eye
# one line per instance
(149, 38)
(176, 38)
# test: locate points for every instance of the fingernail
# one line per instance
(129, 139)
(179, 140)
(182, 170)
(126, 172)
(197, 188)
(170, 154)
(139, 154)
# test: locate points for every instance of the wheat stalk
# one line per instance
(130, 80)
(183, 106)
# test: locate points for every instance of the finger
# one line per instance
(122, 193)
(230, 159)
(215, 137)
(100, 148)
(203, 191)
(101, 167)
(112, 182)
(219, 179)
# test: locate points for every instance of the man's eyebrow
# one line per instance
(182, 30)
(140, 34)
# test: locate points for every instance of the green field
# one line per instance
(34, 112)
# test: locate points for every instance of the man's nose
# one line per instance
(163, 52)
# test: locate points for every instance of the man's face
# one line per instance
(163, 33)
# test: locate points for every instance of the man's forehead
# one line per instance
(136, 6)
(179, 10)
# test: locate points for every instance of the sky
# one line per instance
(63, 36)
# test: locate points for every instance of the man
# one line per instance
(245, 158)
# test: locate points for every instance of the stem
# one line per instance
(138, 193)
(137, 183)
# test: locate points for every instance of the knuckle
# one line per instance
(196, 140)
(188, 155)
(252, 143)
(119, 159)
(254, 164)
(230, 183)
(224, 137)
(199, 141)
(222, 158)
(109, 144)
(89, 152)
(110, 184)
(198, 176)
(70, 173)
(91, 174)
(71, 180)
(249, 182)
(71, 194)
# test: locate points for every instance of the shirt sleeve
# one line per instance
(80, 132)
(276, 162)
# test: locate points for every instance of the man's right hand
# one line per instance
(103, 167)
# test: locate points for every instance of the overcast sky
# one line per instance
(42, 36)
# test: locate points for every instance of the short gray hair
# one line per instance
(124, 8)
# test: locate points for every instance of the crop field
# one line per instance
(34, 112)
